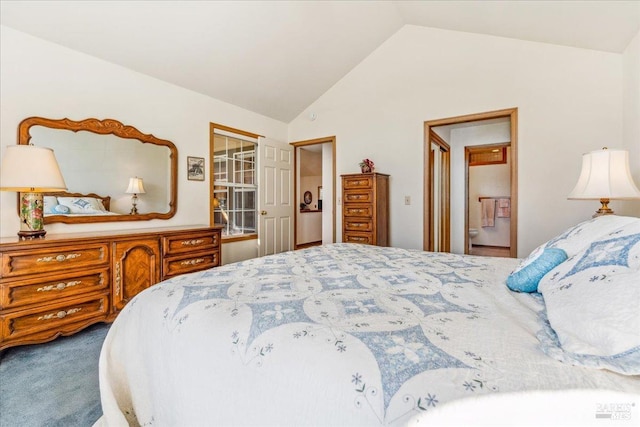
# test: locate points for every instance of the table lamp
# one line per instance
(30, 170)
(216, 205)
(605, 176)
(135, 187)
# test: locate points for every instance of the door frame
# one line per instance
(444, 242)
(512, 114)
(324, 140)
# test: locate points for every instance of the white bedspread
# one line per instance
(336, 335)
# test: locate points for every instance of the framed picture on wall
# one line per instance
(195, 168)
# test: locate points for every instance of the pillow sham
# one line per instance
(525, 278)
(80, 205)
(61, 209)
(576, 238)
(49, 202)
(593, 298)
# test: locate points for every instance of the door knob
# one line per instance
(263, 212)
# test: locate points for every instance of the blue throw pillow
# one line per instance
(61, 209)
(527, 278)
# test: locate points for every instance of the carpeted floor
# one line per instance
(52, 384)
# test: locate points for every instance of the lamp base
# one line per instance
(28, 235)
(31, 216)
(134, 202)
(604, 209)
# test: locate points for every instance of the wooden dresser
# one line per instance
(63, 283)
(365, 208)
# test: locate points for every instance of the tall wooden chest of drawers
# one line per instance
(63, 283)
(365, 208)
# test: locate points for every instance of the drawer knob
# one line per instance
(193, 242)
(195, 261)
(59, 315)
(58, 287)
(58, 258)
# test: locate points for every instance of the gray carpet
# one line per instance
(52, 384)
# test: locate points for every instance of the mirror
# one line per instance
(97, 159)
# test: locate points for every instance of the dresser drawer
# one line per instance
(20, 263)
(351, 209)
(52, 287)
(189, 263)
(353, 182)
(358, 196)
(365, 238)
(48, 320)
(188, 243)
(355, 224)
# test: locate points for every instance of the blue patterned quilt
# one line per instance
(341, 334)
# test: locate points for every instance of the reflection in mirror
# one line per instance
(103, 164)
(101, 157)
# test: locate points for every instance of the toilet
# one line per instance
(473, 232)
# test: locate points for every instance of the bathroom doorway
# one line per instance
(488, 193)
(494, 130)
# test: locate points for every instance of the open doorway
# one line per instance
(447, 183)
(314, 190)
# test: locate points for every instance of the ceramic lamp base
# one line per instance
(31, 216)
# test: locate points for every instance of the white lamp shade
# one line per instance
(605, 175)
(28, 168)
(135, 186)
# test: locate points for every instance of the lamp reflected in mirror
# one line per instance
(217, 205)
(135, 187)
(31, 171)
(605, 175)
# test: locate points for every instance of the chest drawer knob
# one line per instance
(193, 261)
(193, 242)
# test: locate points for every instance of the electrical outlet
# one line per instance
(407, 200)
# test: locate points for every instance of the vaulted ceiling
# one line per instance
(276, 57)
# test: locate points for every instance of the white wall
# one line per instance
(327, 193)
(569, 100)
(631, 130)
(38, 78)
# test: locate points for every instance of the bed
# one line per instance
(76, 204)
(349, 334)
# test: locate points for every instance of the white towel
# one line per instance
(488, 212)
(504, 208)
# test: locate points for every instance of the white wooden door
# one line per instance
(276, 197)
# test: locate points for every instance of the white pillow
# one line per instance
(79, 205)
(48, 204)
(580, 236)
(593, 298)
(577, 237)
